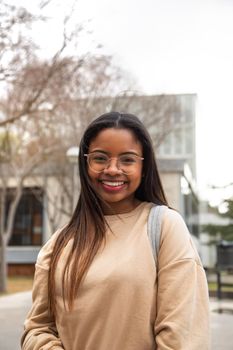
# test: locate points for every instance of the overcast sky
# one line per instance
(173, 46)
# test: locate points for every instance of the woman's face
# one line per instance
(115, 187)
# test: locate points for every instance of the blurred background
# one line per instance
(62, 64)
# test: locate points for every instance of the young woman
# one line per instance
(96, 284)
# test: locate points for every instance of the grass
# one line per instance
(17, 284)
(213, 287)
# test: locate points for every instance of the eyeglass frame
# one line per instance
(109, 161)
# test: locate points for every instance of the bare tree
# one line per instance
(19, 63)
(15, 48)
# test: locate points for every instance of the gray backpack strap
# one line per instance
(154, 228)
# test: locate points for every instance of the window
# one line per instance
(28, 224)
(188, 116)
(178, 142)
(177, 118)
(167, 145)
(188, 141)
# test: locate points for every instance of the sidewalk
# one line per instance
(13, 309)
(221, 324)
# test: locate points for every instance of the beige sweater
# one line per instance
(121, 305)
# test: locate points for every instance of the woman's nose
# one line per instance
(112, 167)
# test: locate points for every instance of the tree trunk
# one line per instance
(3, 243)
(3, 265)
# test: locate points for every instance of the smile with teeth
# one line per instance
(113, 184)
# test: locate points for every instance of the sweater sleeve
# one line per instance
(40, 332)
(182, 320)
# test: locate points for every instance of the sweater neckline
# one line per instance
(131, 213)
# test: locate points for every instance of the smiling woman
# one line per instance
(96, 285)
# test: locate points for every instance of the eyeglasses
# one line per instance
(127, 163)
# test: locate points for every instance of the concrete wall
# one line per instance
(172, 187)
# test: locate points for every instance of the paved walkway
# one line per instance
(13, 309)
(221, 324)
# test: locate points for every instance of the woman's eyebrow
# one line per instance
(130, 152)
(120, 154)
(99, 151)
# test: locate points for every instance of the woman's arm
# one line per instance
(182, 320)
(40, 332)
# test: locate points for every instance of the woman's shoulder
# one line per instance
(169, 216)
(175, 236)
(173, 217)
(43, 258)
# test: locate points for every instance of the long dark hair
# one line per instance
(87, 226)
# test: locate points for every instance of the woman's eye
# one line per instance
(99, 159)
(128, 160)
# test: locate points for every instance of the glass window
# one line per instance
(178, 142)
(188, 141)
(28, 223)
(188, 115)
(167, 144)
(177, 118)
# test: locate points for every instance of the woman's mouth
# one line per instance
(112, 185)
